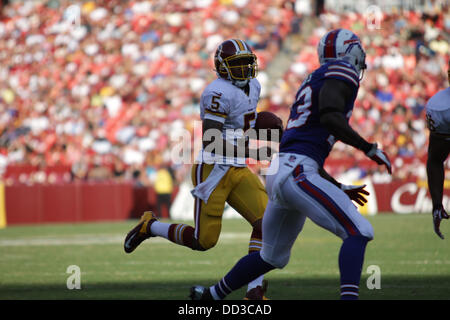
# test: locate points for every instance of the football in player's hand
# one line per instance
(268, 120)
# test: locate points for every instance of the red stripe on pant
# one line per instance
(305, 185)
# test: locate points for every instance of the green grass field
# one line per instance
(414, 262)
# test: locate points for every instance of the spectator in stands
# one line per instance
(164, 187)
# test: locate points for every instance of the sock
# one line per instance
(247, 269)
(160, 229)
(214, 294)
(255, 241)
(351, 259)
(181, 234)
(255, 245)
(178, 233)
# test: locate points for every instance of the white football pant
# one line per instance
(296, 192)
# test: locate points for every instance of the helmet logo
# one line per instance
(351, 41)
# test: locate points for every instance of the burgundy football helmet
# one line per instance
(235, 61)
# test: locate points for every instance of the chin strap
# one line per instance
(361, 74)
(240, 83)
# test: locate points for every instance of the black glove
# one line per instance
(356, 193)
(438, 215)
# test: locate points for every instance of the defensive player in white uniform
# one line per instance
(438, 120)
(228, 110)
(300, 189)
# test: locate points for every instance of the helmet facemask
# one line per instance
(242, 66)
(357, 57)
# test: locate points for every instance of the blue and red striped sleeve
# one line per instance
(344, 72)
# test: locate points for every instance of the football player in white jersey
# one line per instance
(228, 110)
(438, 121)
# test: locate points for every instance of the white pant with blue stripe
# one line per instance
(297, 191)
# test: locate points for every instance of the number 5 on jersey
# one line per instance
(214, 103)
(303, 103)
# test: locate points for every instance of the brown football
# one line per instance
(268, 120)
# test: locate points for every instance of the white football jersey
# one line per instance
(438, 112)
(224, 102)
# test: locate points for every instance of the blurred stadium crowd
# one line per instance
(101, 96)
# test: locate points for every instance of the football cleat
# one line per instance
(258, 292)
(139, 233)
(200, 293)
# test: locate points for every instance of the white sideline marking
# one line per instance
(90, 239)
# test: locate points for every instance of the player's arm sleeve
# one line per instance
(215, 106)
(333, 98)
(438, 149)
(343, 73)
